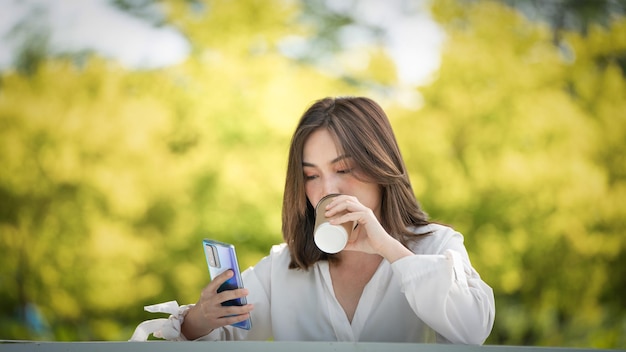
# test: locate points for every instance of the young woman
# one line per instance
(399, 279)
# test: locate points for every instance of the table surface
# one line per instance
(268, 346)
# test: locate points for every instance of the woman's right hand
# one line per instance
(209, 313)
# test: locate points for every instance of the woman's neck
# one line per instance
(350, 259)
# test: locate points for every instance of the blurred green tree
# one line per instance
(522, 149)
(111, 179)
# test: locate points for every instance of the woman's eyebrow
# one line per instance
(340, 158)
(334, 161)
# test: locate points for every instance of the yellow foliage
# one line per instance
(110, 179)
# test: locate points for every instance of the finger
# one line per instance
(215, 310)
(347, 217)
(223, 317)
(339, 200)
(348, 204)
(232, 319)
(222, 278)
(229, 295)
(226, 311)
(210, 290)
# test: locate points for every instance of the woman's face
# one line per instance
(326, 172)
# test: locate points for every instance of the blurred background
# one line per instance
(132, 129)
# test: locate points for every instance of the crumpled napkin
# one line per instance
(168, 329)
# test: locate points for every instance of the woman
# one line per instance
(399, 275)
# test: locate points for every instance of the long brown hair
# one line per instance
(362, 130)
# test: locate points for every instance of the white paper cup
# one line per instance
(329, 238)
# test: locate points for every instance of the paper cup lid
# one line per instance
(330, 238)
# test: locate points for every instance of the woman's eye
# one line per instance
(309, 177)
(344, 171)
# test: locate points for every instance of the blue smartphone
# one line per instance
(220, 257)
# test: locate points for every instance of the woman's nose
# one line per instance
(331, 185)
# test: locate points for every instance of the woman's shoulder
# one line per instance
(274, 267)
(433, 227)
(432, 238)
(274, 262)
(279, 250)
(278, 254)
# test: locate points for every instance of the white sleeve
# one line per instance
(447, 293)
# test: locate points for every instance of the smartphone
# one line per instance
(220, 257)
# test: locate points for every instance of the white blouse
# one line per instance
(436, 289)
